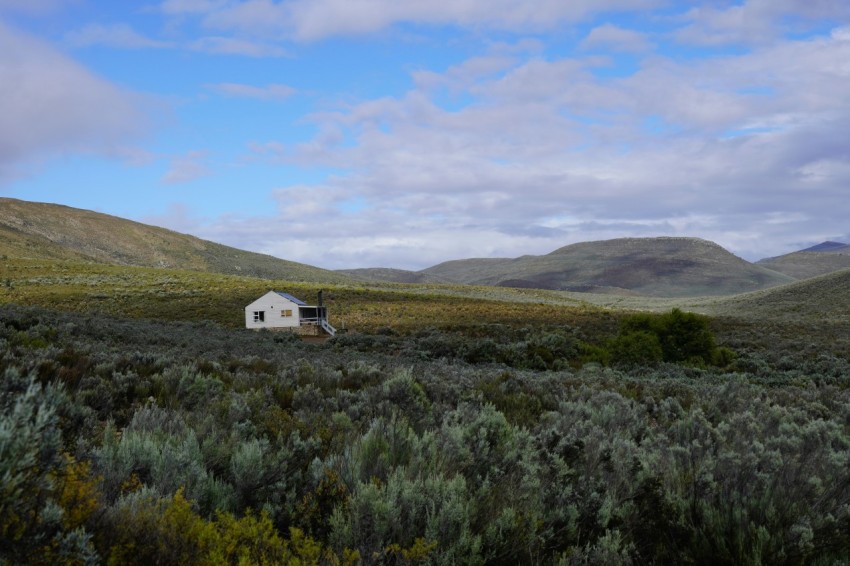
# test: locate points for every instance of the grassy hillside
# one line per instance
(659, 267)
(49, 231)
(391, 275)
(805, 264)
(654, 267)
(823, 299)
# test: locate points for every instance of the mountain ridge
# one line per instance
(828, 246)
(664, 266)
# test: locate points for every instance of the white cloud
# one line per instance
(313, 19)
(310, 20)
(114, 35)
(756, 21)
(53, 105)
(540, 150)
(34, 7)
(609, 36)
(256, 17)
(268, 92)
(841, 34)
(187, 168)
(546, 153)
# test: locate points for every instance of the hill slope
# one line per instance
(827, 257)
(391, 275)
(659, 267)
(50, 231)
(819, 299)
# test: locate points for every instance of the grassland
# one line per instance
(182, 295)
(815, 311)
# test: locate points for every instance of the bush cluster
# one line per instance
(677, 337)
(142, 442)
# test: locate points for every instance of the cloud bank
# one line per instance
(744, 149)
(561, 122)
(52, 105)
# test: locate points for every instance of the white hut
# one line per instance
(281, 311)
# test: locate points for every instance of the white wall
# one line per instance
(271, 305)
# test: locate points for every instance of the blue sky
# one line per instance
(395, 133)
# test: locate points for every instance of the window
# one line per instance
(285, 313)
(259, 316)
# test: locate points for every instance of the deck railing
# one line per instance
(318, 321)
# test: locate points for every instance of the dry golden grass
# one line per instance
(169, 294)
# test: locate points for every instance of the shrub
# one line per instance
(38, 483)
(147, 529)
(636, 348)
(678, 337)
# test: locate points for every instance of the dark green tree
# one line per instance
(681, 336)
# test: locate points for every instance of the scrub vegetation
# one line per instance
(139, 424)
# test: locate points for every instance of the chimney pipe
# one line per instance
(320, 297)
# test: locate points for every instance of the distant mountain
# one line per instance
(660, 267)
(51, 231)
(832, 247)
(826, 257)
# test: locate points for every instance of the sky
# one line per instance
(404, 133)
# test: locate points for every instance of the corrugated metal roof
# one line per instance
(289, 297)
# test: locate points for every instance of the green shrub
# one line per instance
(636, 348)
(677, 337)
(39, 485)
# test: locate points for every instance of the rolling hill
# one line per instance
(821, 299)
(821, 259)
(648, 267)
(392, 275)
(656, 267)
(51, 231)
